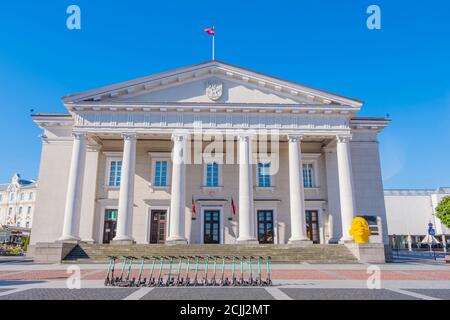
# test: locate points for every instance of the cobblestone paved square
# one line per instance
(68, 294)
(344, 294)
(208, 294)
(435, 293)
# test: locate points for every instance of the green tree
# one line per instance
(443, 211)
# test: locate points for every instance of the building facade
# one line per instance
(409, 212)
(17, 200)
(210, 153)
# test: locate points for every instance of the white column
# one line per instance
(246, 227)
(126, 193)
(346, 188)
(296, 191)
(178, 196)
(73, 198)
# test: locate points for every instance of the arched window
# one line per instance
(20, 210)
(30, 196)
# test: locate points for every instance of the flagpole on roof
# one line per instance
(214, 35)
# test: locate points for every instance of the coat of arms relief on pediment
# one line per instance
(214, 90)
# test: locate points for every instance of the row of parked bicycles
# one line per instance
(178, 278)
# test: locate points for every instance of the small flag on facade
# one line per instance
(233, 206)
(193, 206)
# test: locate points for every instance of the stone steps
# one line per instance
(91, 253)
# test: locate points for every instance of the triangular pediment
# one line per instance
(210, 82)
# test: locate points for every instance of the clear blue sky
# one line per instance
(403, 69)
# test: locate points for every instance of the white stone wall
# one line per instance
(51, 195)
(367, 178)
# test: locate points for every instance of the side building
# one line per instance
(409, 212)
(17, 202)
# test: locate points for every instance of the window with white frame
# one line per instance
(308, 175)
(28, 210)
(212, 174)
(30, 196)
(160, 176)
(11, 196)
(1, 197)
(10, 211)
(115, 171)
(27, 224)
(264, 174)
(22, 196)
(20, 210)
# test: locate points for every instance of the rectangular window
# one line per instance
(212, 174)
(28, 210)
(160, 173)
(308, 175)
(30, 197)
(115, 172)
(263, 174)
(22, 195)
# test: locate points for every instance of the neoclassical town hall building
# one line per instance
(210, 153)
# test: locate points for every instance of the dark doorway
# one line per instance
(110, 226)
(158, 226)
(211, 231)
(265, 226)
(312, 226)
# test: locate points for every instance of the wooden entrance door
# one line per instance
(211, 231)
(265, 226)
(158, 226)
(110, 225)
(312, 226)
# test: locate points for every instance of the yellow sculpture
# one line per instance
(360, 230)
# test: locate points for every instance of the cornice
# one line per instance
(299, 108)
(369, 124)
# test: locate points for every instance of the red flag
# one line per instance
(233, 206)
(193, 206)
(210, 31)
